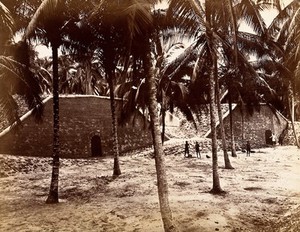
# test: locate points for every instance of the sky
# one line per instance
(268, 16)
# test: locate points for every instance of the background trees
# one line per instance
(286, 31)
(123, 41)
(15, 75)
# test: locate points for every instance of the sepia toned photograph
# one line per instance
(149, 115)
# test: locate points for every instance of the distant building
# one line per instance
(85, 130)
(256, 127)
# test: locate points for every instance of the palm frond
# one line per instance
(8, 105)
(189, 15)
(6, 20)
(283, 17)
(248, 11)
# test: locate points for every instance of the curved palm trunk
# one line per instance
(53, 193)
(220, 114)
(162, 185)
(233, 150)
(216, 189)
(117, 170)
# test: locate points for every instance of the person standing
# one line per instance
(186, 149)
(273, 137)
(197, 148)
(248, 148)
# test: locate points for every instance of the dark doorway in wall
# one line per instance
(96, 146)
(268, 134)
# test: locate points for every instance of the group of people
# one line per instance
(187, 150)
(197, 147)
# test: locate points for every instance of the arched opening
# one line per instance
(268, 134)
(96, 146)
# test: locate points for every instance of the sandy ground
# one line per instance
(262, 193)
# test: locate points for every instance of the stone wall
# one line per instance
(253, 127)
(187, 129)
(80, 119)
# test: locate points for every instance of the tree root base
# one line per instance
(217, 192)
(52, 199)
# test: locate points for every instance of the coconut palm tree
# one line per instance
(47, 25)
(109, 50)
(200, 22)
(136, 18)
(214, 24)
(21, 11)
(285, 28)
(15, 75)
(220, 115)
(170, 70)
(171, 66)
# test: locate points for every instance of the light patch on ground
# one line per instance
(262, 193)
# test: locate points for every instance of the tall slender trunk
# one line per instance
(243, 123)
(116, 170)
(162, 184)
(163, 116)
(53, 193)
(216, 189)
(292, 113)
(220, 114)
(88, 78)
(233, 150)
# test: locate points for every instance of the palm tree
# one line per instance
(47, 24)
(15, 74)
(83, 43)
(137, 19)
(201, 23)
(110, 48)
(171, 66)
(21, 11)
(214, 24)
(158, 149)
(220, 115)
(285, 28)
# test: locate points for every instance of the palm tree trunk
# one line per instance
(116, 170)
(88, 78)
(53, 193)
(292, 113)
(220, 114)
(162, 184)
(163, 117)
(216, 189)
(233, 150)
(243, 123)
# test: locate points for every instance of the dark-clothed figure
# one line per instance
(248, 148)
(186, 149)
(197, 148)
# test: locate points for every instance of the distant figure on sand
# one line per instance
(248, 148)
(273, 137)
(186, 149)
(197, 148)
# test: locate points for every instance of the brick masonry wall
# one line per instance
(80, 119)
(289, 139)
(253, 127)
